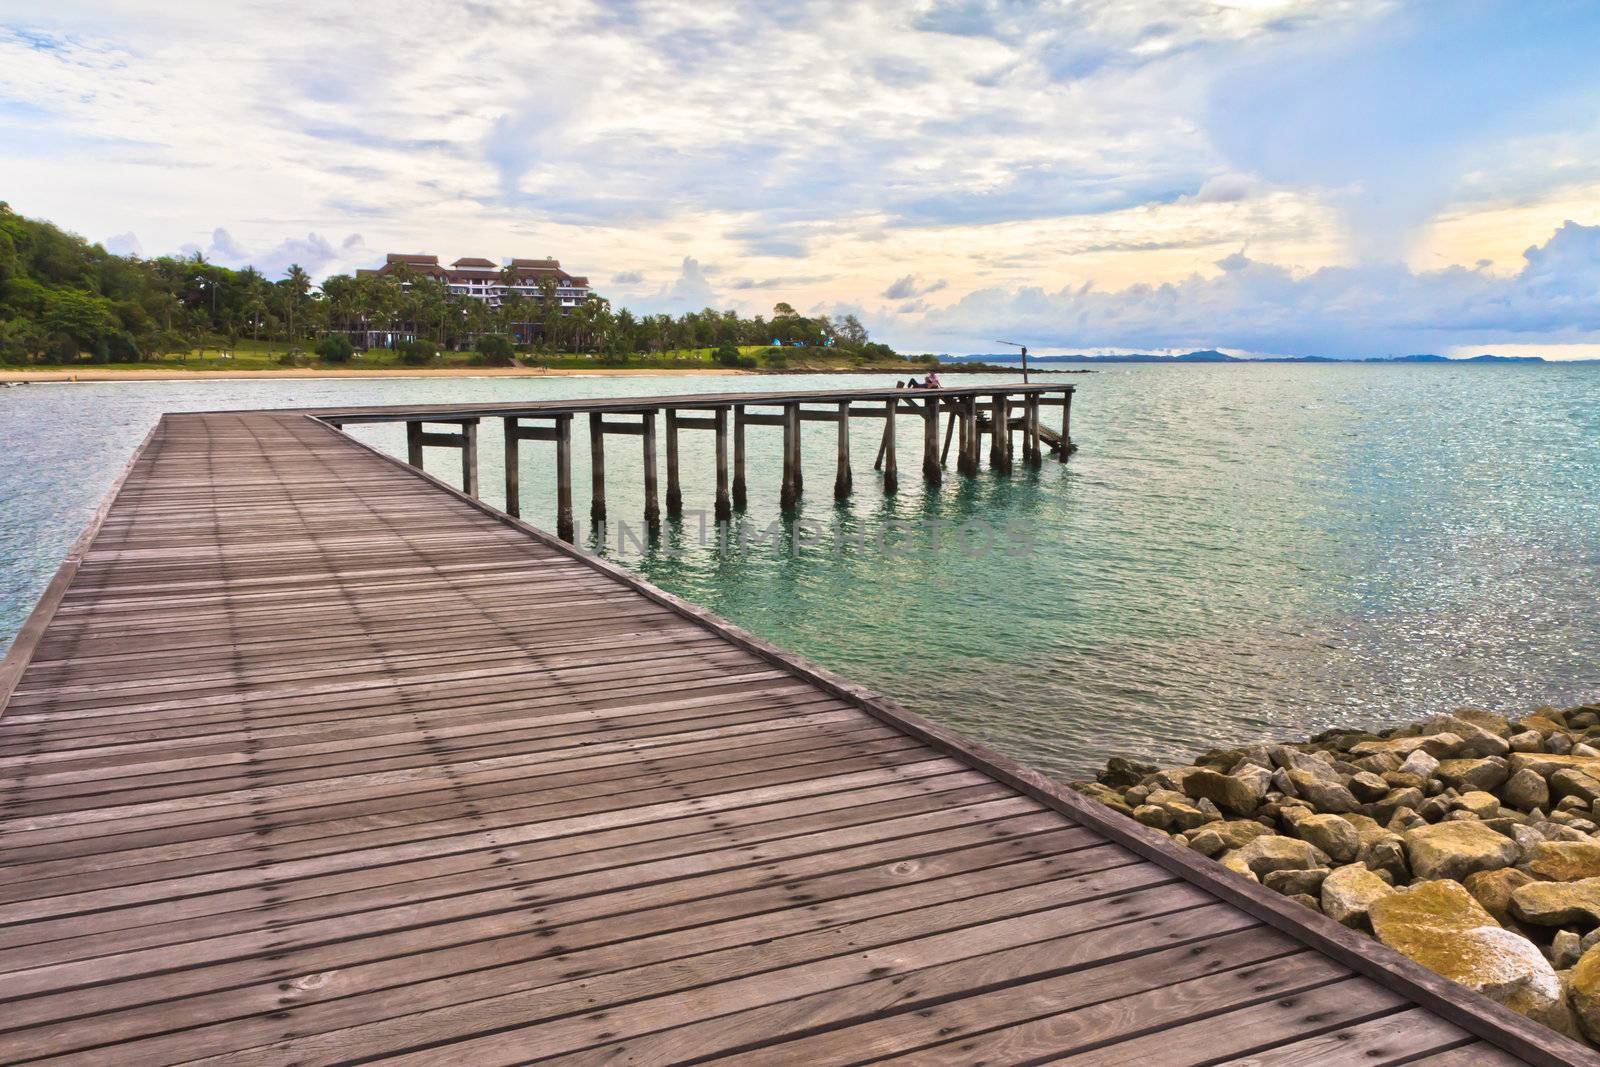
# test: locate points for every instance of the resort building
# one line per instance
(485, 280)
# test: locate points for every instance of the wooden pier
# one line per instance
(309, 758)
(1008, 415)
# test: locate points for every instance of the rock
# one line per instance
(1465, 774)
(1547, 764)
(1583, 992)
(1564, 949)
(1293, 883)
(1229, 834)
(1367, 787)
(1493, 890)
(1558, 743)
(1240, 794)
(1332, 834)
(1498, 725)
(1387, 856)
(1105, 795)
(1305, 900)
(1479, 804)
(1527, 741)
(1441, 926)
(1563, 861)
(1274, 853)
(1585, 750)
(1439, 746)
(1281, 783)
(1526, 790)
(1456, 849)
(1367, 828)
(1405, 819)
(1172, 778)
(1589, 941)
(1558, 903)
(1475, 740)
(1348, 893)
(1572, 782)
(1432, 810)
(1123, 773)
(1157, 818)
(1419, 765)
(1329, 797)
(1384, 809)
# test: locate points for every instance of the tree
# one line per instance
(335, 348)
(296, 286)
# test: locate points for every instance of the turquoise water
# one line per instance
(1235, 552)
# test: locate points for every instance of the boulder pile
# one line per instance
(1469, 842)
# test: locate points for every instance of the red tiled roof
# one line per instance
(474, 262)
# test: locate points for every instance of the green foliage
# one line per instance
(65, 300)
(496, 350)
(418, 353)
(335, 348)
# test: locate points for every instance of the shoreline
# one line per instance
(172, 374)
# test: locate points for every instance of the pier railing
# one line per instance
(1011, 416)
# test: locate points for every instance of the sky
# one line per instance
(1285, 177)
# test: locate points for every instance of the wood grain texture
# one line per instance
(310, 758)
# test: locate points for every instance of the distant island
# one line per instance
(1211, 355)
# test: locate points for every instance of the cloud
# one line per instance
(627, 277)
(124, 244)
(907, 287)
(314, 253)
(1259, 307)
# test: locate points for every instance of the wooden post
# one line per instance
(998, 434)
(789, 494)
(564, 523)
(949, 434)
(969, 436)
(891, 468)
(739, 498)
(1067, 447)
(469, 458)
(414, 443)
(930, 442)
(674, 491)
(597, 467)
(513, 507)
(652, 504)
(1031, 434)
(842, 479)
(724, 508)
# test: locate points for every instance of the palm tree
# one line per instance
(296, 283)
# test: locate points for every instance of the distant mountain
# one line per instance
(1211, 355)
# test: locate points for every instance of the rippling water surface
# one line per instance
(1235, 552)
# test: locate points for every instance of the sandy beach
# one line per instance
(167, 374)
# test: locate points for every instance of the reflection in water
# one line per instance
(1235, 552)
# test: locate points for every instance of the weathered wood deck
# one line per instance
(309, 759)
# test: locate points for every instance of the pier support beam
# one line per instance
(564, 524)
(842, 480)
(724, 507)
(930, 442)
(739, 498)
(652, 502)
(465, 438)
(1030, 435)
(999, 433)
(891, 467)
(789, 495)
(949, 434)
(968, 463)
(597, 468)
(674, 490)
(513, 470)
(1067, 447)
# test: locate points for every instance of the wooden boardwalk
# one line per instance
(310, 759)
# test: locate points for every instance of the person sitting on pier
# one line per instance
(931, 381)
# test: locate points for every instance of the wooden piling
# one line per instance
(789, 494)
(414, 443)
(842, 479)
(724, 508)
(968, 464)
(469, 458)
(891, 468)
(1067, 447)
(674, 490)
(652, 503)
(597, 468)
(739, 498)
(1030, 435)
(931, 472)
(565, 527)
(999, 433)
(513, 504)
(949, 434)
